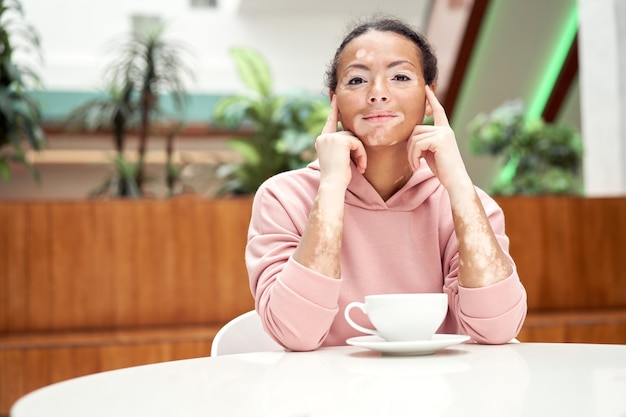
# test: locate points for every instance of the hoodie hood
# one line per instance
(418, 188)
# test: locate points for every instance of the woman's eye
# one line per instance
(401, 77)
(355, 81)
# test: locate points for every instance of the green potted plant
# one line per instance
(20, 116)
(145, 67)
(113, 111)
(279, 130)
(536, 158)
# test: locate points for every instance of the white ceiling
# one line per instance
(417, 10)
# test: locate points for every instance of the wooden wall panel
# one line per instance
(66, 253)
(202, 302)
(228, 256)
(76, 265)
(13, 266)
(99, 286)
(104, 264)
(604, 251)
(592, 326)
(39, 263)
(570, 252)
(527, 245)
(124, 266)
(180, 266)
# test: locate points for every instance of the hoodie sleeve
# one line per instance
(297, 305)
(493, 314)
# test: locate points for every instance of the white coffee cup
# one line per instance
(402, 317)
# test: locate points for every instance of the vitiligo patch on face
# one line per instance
(361, 53)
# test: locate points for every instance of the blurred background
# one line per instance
(490, 53)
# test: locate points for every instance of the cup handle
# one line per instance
(362, 329)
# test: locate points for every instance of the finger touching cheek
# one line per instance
(429, 109)
(414, 155)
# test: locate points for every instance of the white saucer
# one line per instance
(418, 347)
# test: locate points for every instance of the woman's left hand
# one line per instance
(437, 145)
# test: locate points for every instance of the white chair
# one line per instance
(243, 334)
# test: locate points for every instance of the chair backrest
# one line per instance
(243, 334)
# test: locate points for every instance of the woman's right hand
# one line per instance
(335, 149)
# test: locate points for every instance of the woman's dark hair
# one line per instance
(387, 24)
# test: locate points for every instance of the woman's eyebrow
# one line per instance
(391, 65)
(357, 66)
(400, 62)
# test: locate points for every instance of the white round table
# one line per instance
(526, 379)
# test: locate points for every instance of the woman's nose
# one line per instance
(378, 92)
(375, 98)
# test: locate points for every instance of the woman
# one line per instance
(388, 207)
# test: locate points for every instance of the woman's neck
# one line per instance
(388, 169)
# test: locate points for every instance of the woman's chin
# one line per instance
(383, 140)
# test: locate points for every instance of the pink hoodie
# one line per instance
(404, 245)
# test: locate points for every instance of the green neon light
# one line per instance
(551, 74)
(472, 70)
(544, 89)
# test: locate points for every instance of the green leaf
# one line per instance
(231, 111)
(19, 113)
(5, 170)
(295, 142)
(253, 70)
(246, 149)
(283, 126)
(317, 119)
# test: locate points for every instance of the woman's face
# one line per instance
(380, 89)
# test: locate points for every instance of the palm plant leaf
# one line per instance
(152, 63)
(6, 107)
(253, 70)
(246, 149)
(19, 112)
(101, 113)
(144, 66)
(231, 111)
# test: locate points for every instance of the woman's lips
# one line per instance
(379, 116)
